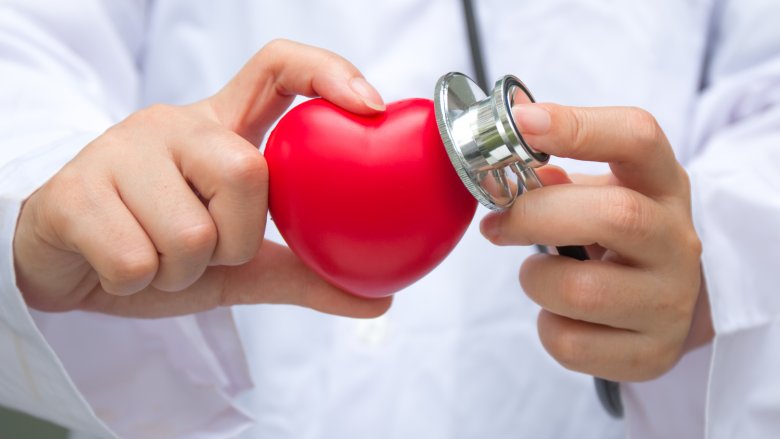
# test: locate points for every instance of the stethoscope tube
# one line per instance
(608, 391)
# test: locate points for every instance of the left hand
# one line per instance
(627, 314)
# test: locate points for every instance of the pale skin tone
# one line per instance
(164, 214)
(632, 311)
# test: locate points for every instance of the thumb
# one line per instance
(269, 82)
(276, 275)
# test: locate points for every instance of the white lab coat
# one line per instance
(458, 355)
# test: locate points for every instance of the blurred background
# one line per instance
(15, 425)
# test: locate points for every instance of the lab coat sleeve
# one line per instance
(735, 179)
(69, 70)
(736, 193)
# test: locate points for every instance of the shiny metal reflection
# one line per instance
(482, 140)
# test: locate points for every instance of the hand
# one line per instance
(164, 214)
(627, 314)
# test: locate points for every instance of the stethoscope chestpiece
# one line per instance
(482, 139)
(483, 142)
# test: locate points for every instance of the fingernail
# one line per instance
(531, 118)
(490, 227)
(367, 93)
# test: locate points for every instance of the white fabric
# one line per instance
(458, 355)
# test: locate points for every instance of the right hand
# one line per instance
(164, 214)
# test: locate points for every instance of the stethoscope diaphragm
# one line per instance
(482, 140)
(495, 162)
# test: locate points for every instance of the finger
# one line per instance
(278, 276)
(629, 139)
(231, 174)
(593, 180)
(596, 291)
(614, 217)
(274, 276)
(110, 239)
(551, 175)
(172, 216)
(266, 85)
(605, 352)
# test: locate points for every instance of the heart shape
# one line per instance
(370, 203)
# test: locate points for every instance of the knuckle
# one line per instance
(69, 195)
(655, 359)
(66, 180)
(568, 350)
(152, 119)
(561, 342)
(195, 239)
(276, 45)
(151, 115)
(129, 271)
(330, 58)
(120, 132)
(582, 290)
(160, 110)
(247, 170)
(692, 242)
(627, 213)
(62, 190)
(685, 179)
(526, 274)
(579, 135)
(516, 225)
(645, 127)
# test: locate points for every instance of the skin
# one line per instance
(164, 214)
(632, 311)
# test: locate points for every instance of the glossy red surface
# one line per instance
(372, 204)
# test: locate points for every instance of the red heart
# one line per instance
(371, 204)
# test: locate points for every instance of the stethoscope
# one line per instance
(489, 153)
